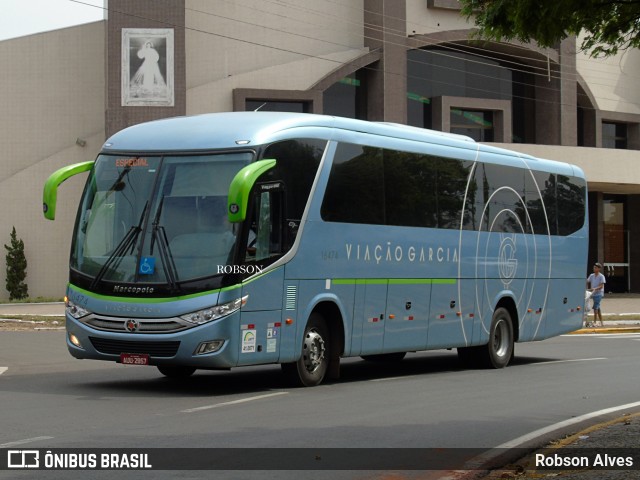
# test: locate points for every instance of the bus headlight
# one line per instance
(214, 313)
(76, 311)
(75, 340)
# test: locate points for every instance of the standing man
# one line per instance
(595, 283)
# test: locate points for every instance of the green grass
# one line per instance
(36, 318)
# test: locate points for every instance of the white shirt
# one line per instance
(595, 281)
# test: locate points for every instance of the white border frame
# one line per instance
(167, 100)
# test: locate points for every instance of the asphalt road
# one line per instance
(50, 400)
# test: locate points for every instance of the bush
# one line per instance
(16, 268)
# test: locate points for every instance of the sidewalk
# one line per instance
(621, 314)
(621, 303)
(41, 309)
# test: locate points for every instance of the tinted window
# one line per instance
(570, 195)
(355, 193)
(297, 164)
(409, 189)
(499, 201)
(540, 194)
(388, 187)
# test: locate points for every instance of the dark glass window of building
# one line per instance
(614, 135)
(347, 97)
(475, 124)
(441, 72)
(277, 106)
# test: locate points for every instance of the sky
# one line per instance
(26, 17)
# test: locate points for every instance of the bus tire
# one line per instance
(176, 371)
(311, 367)
(499, 351)
(385, 357)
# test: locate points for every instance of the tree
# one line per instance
(16, 268)
(609, 25)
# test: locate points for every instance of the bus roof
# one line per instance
(225, 130)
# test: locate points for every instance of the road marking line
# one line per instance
(22, 442)
(233, 402)
(565, 423)
(572, 360)
(3, 369)
(479, 460)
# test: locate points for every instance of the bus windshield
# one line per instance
(156, 220)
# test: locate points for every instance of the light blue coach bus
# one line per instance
(230, 239)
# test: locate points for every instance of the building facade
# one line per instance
(413, 62)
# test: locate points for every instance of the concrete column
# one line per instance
(590, 128)
(633, 136)
(385, 30)
(568, 93)
(633, 205)
(600, 224)
(142, 14)
(548, 100)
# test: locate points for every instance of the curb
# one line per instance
(601, 330)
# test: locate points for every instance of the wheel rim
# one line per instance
(501, 338)
(313, 351)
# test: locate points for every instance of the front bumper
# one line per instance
(176, 348)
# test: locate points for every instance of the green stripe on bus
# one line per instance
(112, 298)
(394, 281)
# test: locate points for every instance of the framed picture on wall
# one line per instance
(147, 67)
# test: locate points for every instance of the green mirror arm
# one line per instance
(50, 193)
(241, 186)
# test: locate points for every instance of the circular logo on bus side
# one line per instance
(507, 261)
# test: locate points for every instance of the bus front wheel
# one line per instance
(312, 365)
(499, 350)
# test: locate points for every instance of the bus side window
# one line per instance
(265, 232)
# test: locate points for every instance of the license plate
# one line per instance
(134, 358)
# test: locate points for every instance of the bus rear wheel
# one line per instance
(498, 352)
(311, 367)
(175, 371)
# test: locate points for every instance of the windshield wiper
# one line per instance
(166, 257)
(129, 240)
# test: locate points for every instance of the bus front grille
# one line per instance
(116, 347)
(118, 324)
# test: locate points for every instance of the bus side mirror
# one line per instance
(50, 193)
(240, 188)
